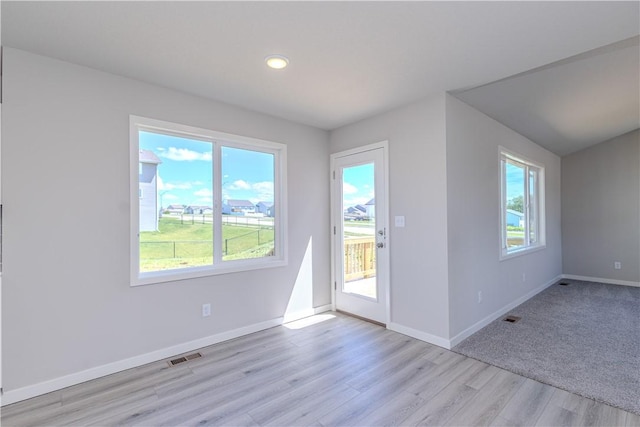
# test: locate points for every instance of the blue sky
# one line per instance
(186, 172)
(357, 185)
(515, 181)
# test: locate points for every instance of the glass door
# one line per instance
(360, 234)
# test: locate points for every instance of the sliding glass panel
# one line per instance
(515, 208)
(175, 199)
(248, 209)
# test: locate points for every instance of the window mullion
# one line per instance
(217, 198)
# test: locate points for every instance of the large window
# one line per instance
(522, 204)
(203, 202)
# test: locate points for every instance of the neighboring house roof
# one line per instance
(371, 202)
(240, 203)
(148, 156)
(359, 210)
(175, 207)
(200, 207)
(265, 204)
(511, 211)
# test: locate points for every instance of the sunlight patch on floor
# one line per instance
(309, 321)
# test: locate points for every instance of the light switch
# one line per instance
(399, 221)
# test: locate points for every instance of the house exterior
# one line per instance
(266, 208)
(193, 209)
(515, 218)
(357, 212)
(238, 207)
(148, 190)
(175, 209)
(371, 208)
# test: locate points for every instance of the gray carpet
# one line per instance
(583, 338)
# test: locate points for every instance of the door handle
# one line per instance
(380, 245)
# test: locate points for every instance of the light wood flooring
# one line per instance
(328, 370)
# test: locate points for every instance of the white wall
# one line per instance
(67, 303)
(418, 190)
(601, 210)
(473, 197)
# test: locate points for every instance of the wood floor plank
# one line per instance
(485, 406)
(313, 408)
(527, 404)
(396, 361)
(393, 411)
(201, 412)
(442, 406)
(632, 420)
(32, 406)
(554, 415)
(352, 411)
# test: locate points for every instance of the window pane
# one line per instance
(515, 209)
(176, 200)
(248, 204)
(359, 230)
(533, 206)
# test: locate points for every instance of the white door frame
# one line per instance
(386, 273)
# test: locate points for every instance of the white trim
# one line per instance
(420, 335)
(500, 312)
(369, 147)
(297, 315)
(48, 386)
(602, 280)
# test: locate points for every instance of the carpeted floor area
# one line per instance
(583, 338)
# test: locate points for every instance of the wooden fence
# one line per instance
(359, 258)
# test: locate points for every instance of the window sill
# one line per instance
(520, 252)
(155, 277)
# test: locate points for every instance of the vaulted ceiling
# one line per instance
(564, 74)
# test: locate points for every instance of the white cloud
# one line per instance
(239, 185)
(264, 190)
(205, 192)
(348, 188)
(176, 186)
(185, 155)
(356, 201)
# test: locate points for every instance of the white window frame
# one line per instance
(505, 252)
(218, 140)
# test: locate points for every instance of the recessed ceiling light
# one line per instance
(277, 62)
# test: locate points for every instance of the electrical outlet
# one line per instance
(479, 297)
(206, 310)
(617, 265)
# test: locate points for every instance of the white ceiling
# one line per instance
(350, 60)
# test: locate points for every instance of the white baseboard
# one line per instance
(601, 280)
(28, 392)
(420, 335)
(291, 317)
(502, 311)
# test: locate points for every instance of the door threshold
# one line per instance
(375, 322)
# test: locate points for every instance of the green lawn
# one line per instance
(179, 245)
